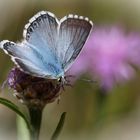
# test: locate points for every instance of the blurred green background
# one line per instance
(90, 114)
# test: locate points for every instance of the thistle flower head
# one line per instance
(109, 55)
(33, 91)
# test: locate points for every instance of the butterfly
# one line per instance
(50, 46)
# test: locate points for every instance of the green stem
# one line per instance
(35, 118)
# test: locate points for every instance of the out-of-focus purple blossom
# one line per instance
(109, 55)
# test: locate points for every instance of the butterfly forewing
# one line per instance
(40, 34)
(73, 34)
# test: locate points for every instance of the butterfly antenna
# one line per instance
(70, 76)
(88, 80)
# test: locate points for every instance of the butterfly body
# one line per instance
(50, 46)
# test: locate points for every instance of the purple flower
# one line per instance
(109, 55)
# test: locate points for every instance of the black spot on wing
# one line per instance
(6, 47)
(37, 21)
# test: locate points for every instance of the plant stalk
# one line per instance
(35, 120)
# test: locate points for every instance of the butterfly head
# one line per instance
(65, 81)
(61, 79)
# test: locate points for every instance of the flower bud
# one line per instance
(33, 91)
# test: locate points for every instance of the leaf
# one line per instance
(59, 127)
(22, 131)
(15, 108)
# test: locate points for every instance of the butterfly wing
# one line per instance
(41, 35)
(41, 32)
(73, 34)
(40, 58)
(25, 58)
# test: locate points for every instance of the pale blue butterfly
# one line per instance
(50, 46)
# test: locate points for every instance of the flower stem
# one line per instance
(35, 118)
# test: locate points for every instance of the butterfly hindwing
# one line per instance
(27, 59)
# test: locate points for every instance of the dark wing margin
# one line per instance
(73, 33)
